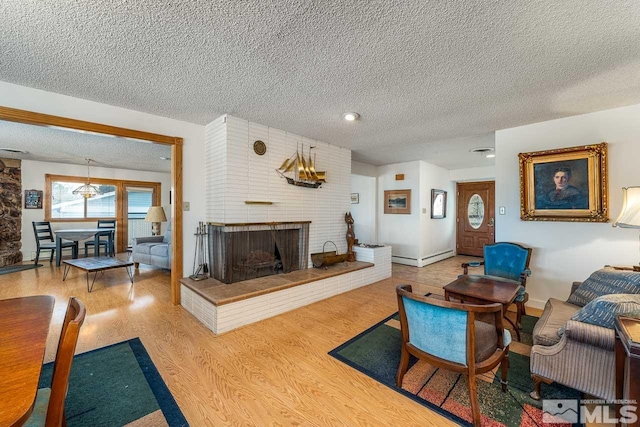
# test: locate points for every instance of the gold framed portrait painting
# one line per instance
(565, 184)
(397, 201)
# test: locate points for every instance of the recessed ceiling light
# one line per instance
(165, 158)
(14, 150)
(350, 116)
(482, 150)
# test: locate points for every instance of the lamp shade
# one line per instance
(155, 214)
(630, 215)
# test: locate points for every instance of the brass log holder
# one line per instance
(325, 259)
(201, 271)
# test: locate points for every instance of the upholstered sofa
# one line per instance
(154, 250)
(578, 353)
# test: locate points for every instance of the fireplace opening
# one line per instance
(249, 251)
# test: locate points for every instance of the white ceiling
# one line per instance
(431, 79)
(65, 146)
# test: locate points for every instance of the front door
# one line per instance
(475, 217)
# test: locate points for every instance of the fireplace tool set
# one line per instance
(200, 272)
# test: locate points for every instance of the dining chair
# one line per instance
(108, 243)
(46, 241)
(49, 407)
(465, 338)
(510, 262)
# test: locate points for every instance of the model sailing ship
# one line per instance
(300, 170)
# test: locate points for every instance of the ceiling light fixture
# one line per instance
(350, 116)
(14, 150)
(87, 190)
(490, 156)
(165, 158)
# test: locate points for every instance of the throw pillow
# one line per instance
(603, 310)
(604, 282)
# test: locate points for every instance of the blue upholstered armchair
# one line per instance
(465, 338)
(510, 262)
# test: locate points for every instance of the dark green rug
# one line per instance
(117, 385)
(18, 267)
(376, 353)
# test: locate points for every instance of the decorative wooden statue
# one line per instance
(351, 237)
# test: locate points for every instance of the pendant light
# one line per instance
(87, 190)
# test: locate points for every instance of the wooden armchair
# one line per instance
(507, 261)
(450, 335)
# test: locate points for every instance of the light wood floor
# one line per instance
(275, 372)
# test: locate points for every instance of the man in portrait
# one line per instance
(562, 195)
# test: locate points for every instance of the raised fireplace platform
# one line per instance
(224, 307)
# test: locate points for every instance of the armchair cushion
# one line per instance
(603, 310)
(604, 282)
(555, 315)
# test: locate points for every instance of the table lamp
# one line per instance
(630, 215)
(155, 215)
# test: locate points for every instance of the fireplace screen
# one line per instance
(243, 252)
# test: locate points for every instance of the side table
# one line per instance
(627, 353)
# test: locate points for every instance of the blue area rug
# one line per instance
(18, 267)
(115, 386)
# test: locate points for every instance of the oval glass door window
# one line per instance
(475, 211)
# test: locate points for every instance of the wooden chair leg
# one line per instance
(535, 394)
(51, 258)
(520, 310)
(473, 398)
(37, 257)
(136, 264)
(403, 366)
(504, 368)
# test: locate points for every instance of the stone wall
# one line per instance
(10, 211)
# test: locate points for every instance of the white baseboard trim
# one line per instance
(435, 258)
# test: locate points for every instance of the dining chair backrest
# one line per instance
(73, 320)
(106, 223)
(42, 231)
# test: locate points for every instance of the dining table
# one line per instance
(24, 326)
(78, 234)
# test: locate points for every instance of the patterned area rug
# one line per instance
(376, 353)
(117, 385)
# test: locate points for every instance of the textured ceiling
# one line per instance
(64, 146)
(428, 78)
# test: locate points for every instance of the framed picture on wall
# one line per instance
(355, 198)
(565, 184)
(32, 199)
(438, 204)
(397, 201)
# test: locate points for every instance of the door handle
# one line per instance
(491, 222)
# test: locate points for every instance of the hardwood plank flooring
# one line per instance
(275, 372)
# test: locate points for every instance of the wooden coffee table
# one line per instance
(95, 265)
(481, 290)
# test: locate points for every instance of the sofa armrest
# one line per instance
(150, 239)
(590, 334)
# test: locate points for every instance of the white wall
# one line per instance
(401, 231)
(564, 252)
(364, 212)
(484, 173)
(193, 186)
(363, 169)
(235, 174)
(437, 236)
(33, 177)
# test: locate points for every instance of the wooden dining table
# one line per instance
(24, 326)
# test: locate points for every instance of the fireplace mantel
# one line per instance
(244, 224)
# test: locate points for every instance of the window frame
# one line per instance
(121, 206)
